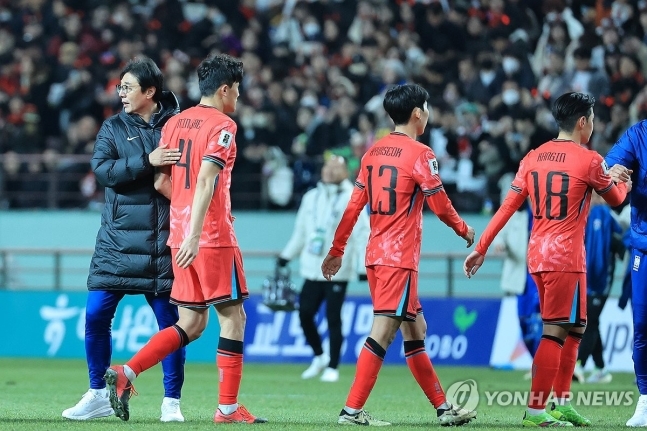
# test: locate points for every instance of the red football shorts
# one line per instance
(394, 291)
(216, 275)
(562, 297)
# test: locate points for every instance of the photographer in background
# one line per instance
(318, 216)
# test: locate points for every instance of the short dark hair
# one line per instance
(582, 52)
(218, 70)
(400, 101)
(147, 73)
(570, 107)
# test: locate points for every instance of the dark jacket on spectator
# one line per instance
(131, 253)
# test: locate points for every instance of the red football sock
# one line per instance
(158, 347)
(423, 371)
(544, 370)
(562, 384)
(230, 370)
(368, 367)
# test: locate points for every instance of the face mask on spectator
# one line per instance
(311, 29)
(309, 100)
(510, 65)
(510, 96)
(487, 76)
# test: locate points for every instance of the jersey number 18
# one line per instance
(561, 195)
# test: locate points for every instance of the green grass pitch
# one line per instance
(33, 393)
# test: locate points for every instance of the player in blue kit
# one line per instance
(631, 152)
(603, 242)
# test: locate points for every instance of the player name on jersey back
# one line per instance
(386, 151)
(549, 156)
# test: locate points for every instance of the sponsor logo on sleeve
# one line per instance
(225, 139)
(605, 167)
(433, 165)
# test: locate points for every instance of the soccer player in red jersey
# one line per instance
(207, 263)
(559, 177)
(396, 175)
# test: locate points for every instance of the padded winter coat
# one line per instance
(131, 254)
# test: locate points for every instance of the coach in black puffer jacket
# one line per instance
(131, 256)
(131, 252)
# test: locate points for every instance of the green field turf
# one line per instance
(33, 393)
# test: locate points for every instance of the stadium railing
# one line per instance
(67, 269)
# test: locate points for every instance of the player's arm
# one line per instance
(512, 202)
(111, 170)
(601, 181)
(358, 241)
(358, 200)
(425, 174)
(357, 203)
(204, 188)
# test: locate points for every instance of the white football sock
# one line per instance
(130, 374)
(227, 409)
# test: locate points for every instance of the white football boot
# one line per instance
(171, 410)
(319, 363)
(94, 404)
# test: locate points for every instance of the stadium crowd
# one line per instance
(315, 75)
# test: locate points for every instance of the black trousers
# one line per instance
(592, 342)
(312, 295)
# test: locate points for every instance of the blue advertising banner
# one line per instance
(51, 324)
(460, 332)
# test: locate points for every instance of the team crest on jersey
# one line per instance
(225, 139)
(605, 167)
(433, 165)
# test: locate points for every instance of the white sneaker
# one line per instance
(578, 373)
(318, 364)
(360, 418)
(94, 404)
(330, 375)
(455, 416)
(171, 410)
(639, 419)
(600, 376)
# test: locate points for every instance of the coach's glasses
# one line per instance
(125, 88)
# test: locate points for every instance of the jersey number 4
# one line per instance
(392, 171)
(187, 161)
(559, 197)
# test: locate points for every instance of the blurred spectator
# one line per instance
(627, 81)
(555, 80)
(560, 32)
(515, 66)
(584, 78)
(512, 101)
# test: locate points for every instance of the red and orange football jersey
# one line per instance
(203, 134)
(396, 175)
(558, 176)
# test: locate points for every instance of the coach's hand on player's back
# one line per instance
(330, 266)
(472, 263)
(163, 156)
(469, 236)
(188, 251)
